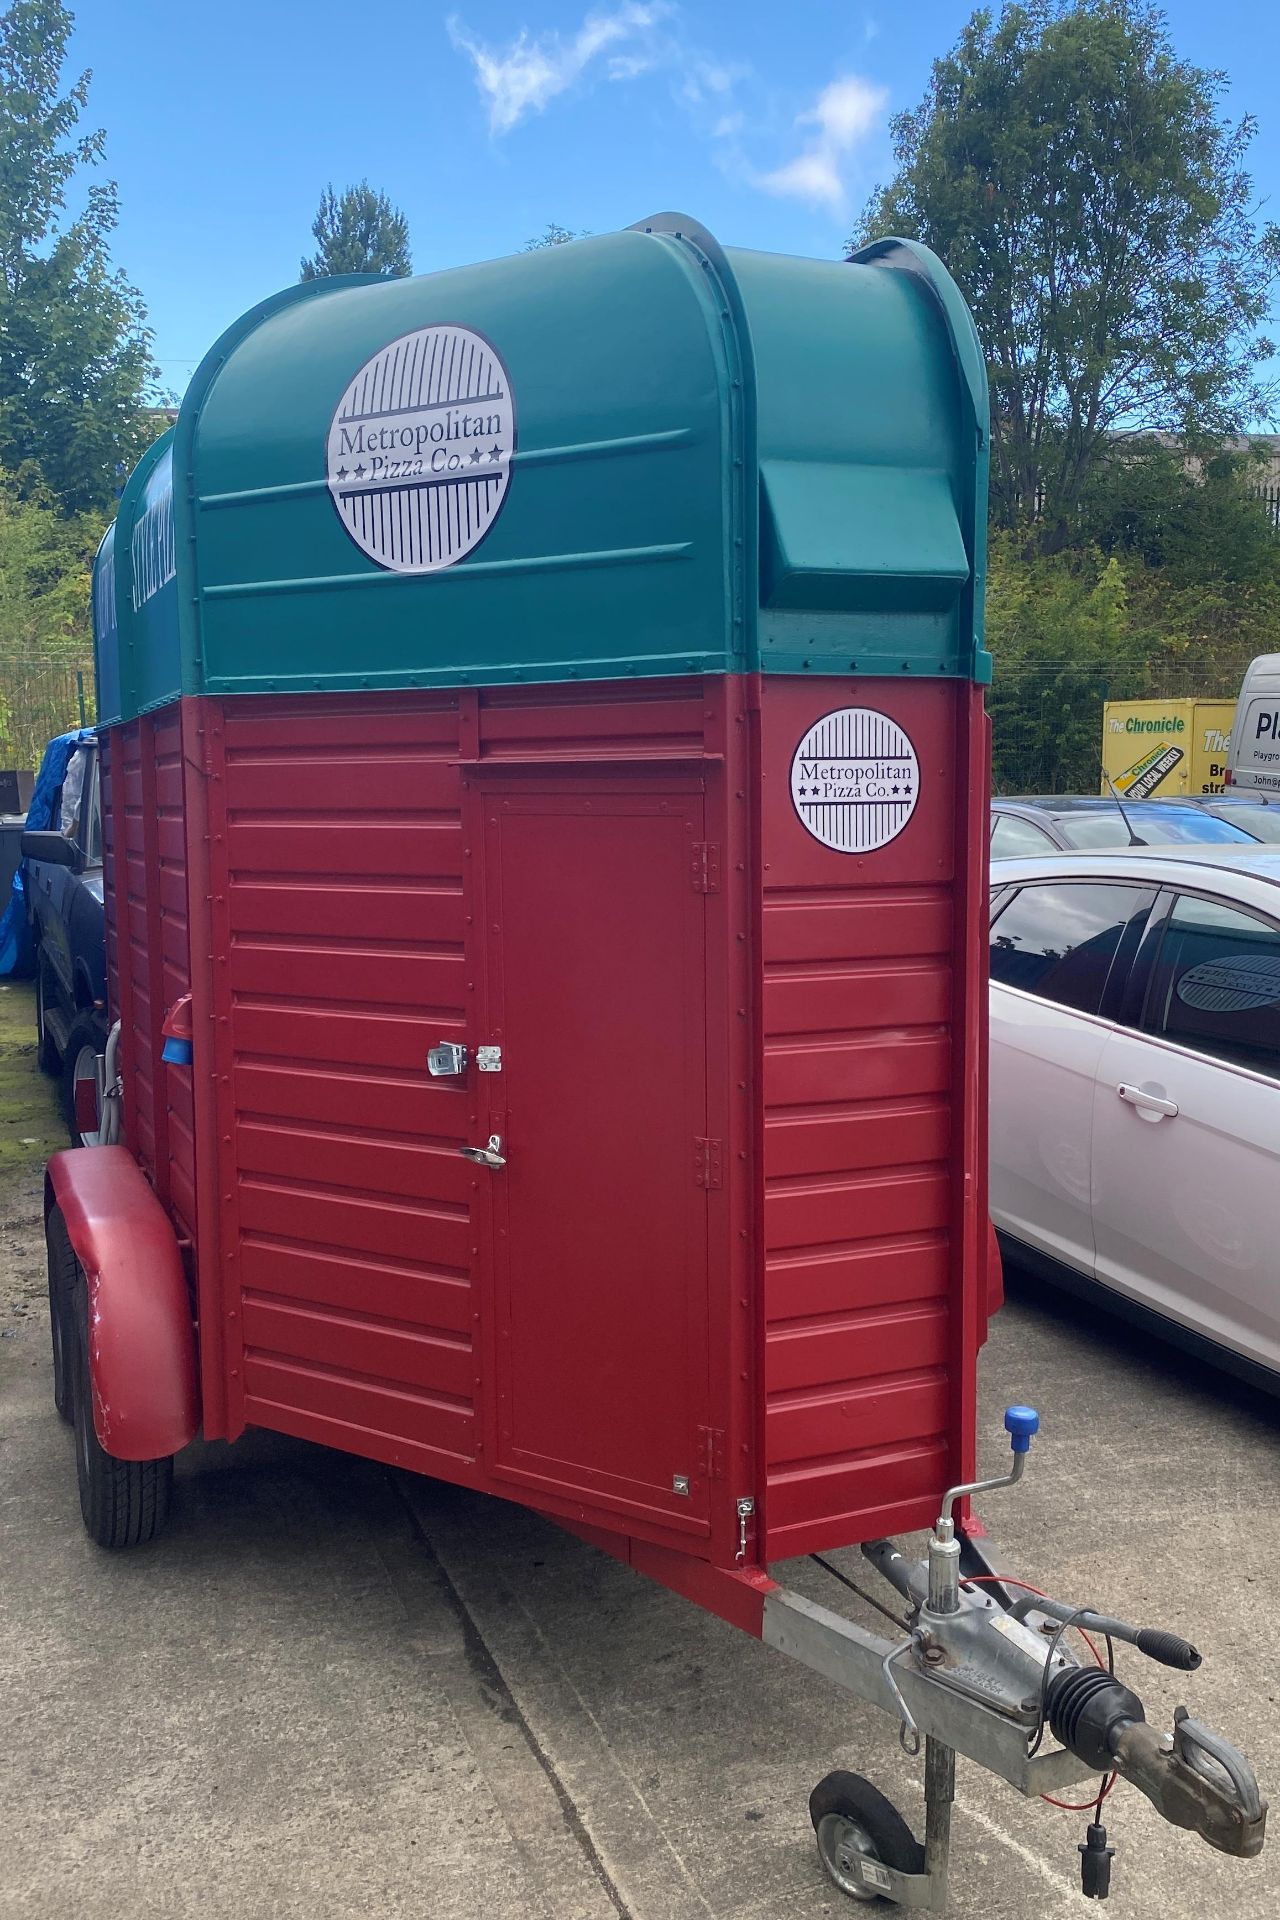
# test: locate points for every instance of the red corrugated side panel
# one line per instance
(148, 945)
(348, 871)
(335, 873)
(352, 1293)
(872, 974)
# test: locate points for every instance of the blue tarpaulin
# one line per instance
(15, 934)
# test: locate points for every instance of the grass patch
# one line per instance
(30, 1121)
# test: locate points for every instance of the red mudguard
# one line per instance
(142, 1342)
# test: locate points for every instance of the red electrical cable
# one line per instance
(1006, 1580)
(1082, 1806)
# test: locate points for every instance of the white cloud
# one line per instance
(626, 40)
(530, 71)
(843, 115)
(717, 76)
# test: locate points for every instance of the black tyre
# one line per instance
(62, 1287)
(47, 1055)
(854, 1823)
(124, 1503)
(86, 1040)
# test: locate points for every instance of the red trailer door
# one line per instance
(596, 994)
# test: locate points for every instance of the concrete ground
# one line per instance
(332, 1691)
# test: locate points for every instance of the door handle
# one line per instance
(1148, 1102)
(492, 1155)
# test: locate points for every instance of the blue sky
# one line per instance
(485, 119)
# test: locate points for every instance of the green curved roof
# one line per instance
(637, 454)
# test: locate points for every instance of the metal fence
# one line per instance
(1269, 495)
(38, 698)
(1046, 722)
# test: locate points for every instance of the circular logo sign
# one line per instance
(1233, 983)
(419, 451)
(855, 779)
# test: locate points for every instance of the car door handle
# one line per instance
(1148, 1102)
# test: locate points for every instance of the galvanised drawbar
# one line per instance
(546, 823)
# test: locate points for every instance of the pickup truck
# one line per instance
(64, 905)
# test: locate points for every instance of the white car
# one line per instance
(1135, 1084)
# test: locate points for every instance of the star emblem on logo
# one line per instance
(495, 452)
(342, 473)
(360, 471)
(475, 456)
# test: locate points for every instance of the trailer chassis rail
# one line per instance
(853, 1658)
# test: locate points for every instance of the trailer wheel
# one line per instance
(124, 1503)
(852, 1820)
(62, 1283)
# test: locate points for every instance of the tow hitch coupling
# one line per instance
(987, 1669)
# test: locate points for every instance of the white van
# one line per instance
(1255, 738)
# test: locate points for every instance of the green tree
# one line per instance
(358, 231)
(1195, 512)
(75, 350)
(1079, 182)
(1173, 588)
(1060, 640)
(45, 563)
(554, 235)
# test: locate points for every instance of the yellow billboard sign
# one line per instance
(1165, 749)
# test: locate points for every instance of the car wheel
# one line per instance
(86, 1040)
(50, 1060)
(124, 1503)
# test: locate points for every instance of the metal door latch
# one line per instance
(745, 1510)
(490, 1156)
(489, 1059)
(446, 1059)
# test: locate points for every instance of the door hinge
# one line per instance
(708, 1163)
(711, 1452)
(704, 866)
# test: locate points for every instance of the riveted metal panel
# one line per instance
(873, 1152)
(345, 1290)
(358, 1278)
(148, 945)
(635, 456)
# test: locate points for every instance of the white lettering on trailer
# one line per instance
(855, 780)
(153, 550)
(419, 450)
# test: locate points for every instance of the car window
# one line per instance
(1058, 939)
(1158, 826)
(1216, 984)
(92, 839)
(1164, 826)
(1010, 835)
(72, 794)
(1094, 829)
(1264, 822)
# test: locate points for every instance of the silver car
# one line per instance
(1135, 1084)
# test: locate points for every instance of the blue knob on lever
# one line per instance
(1020, 1423)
